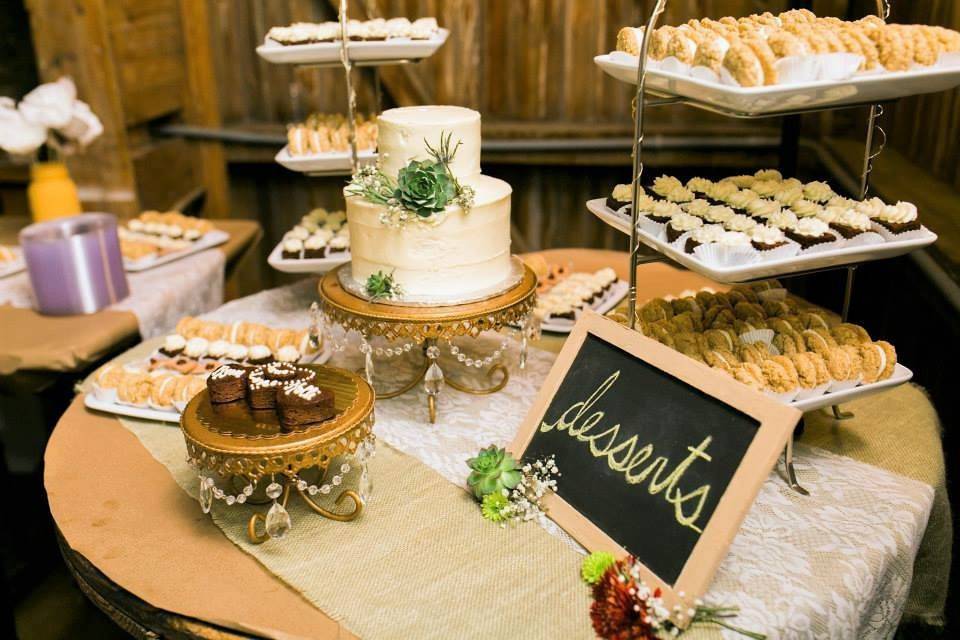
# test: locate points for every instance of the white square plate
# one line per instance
(208, 240)
(323, 162)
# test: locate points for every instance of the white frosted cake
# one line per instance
(438, 227)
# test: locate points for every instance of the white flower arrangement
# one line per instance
(51, 115)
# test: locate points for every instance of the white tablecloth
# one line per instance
(159, 297)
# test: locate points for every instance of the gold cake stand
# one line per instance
(426, 326)
(243, 456)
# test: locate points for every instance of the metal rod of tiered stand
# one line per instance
(869, 155)
(351, 96)
(637, 158)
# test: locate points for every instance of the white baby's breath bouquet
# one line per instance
(49, 118)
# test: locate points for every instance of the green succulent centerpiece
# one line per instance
(493, 470)
(381, 286)
(422, 190)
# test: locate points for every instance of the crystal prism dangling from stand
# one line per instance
(206, 493)
(433, 379)
(278, 521)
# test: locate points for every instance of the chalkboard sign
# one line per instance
(661, 456)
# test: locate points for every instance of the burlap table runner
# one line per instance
(389, 573)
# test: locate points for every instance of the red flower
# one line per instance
(617, 613)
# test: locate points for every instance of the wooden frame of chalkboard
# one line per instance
(611, 496)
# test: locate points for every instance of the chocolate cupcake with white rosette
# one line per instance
(819, 192)
(665, 184)
(741, 199)
(730, 248)
(895, 220)
(621, 196)
(720, 192)
(680, 224)
(741, 223)
(663, 211)
(782, 219)
(766, 188)
(851, 223)
(762, 209)
(704, 235)
(764, 238)
(810, 232)
(805, 208)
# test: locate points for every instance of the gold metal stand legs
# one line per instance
(256, 527)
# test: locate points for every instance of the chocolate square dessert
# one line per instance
(302, 403)
(227, 383)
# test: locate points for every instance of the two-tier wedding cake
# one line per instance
(425, 221)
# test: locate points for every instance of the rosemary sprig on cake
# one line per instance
(422, 190)
(381, 286)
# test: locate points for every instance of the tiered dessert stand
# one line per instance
(244, 456)
(356, 54)
(744, 103)
(427, 327)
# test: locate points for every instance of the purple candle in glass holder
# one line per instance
(75, 264)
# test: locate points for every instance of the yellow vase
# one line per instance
(52, 193)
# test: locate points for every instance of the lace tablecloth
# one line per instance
(835, 564)
(158, 297)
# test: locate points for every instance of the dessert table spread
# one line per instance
(34, 342)
(870, 544)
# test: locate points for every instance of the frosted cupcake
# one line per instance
(663, 211)
(718, 214)
(764, 238)
(742, 182)
(741, 199)
(721, 191)
(899, 218)
(782, 219)
(740, 222)
(680, 224)
(805, 208)
(704, 235)
(818, 192)
(698, 207)
(679, 194)
(871, 208)
(699, 185)
(810, 232)
(665, 184)
(850, 223)
(788, 194)
(768, 174)
(766, 188)
(763, 209)
(621, 196)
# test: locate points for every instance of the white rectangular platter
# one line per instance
(323, 162)
(391, 50)
(144, 413)
(901, 374)
(16, 265)
(767, 268)
(305, 265)
(821, 94)
(617, 292)
(209, 240)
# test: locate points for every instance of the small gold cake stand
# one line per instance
(428, 325)
(243, 456)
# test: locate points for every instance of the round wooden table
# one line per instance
(142, 550)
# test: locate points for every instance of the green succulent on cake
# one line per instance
(422, 190)
(381, 286)
(492, 471)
